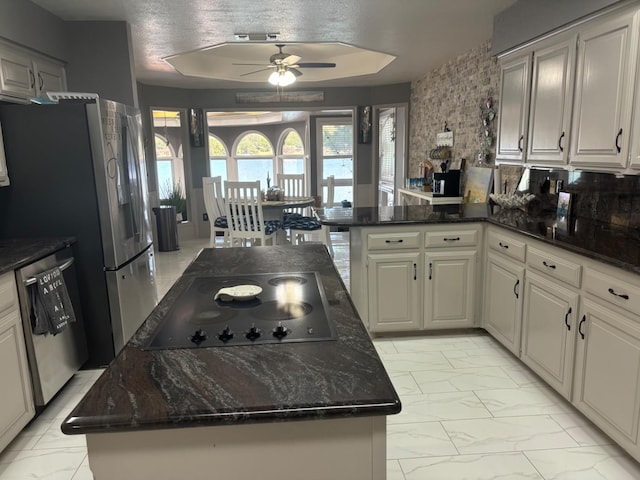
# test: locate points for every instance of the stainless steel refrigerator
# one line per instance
(77, 168)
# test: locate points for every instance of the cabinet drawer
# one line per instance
(8, 294)
(554, 266)
(451, 238)
(392, 241)
(613, 290)
(507, 246)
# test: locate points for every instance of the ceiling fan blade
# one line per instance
(315, 65)
(254, 64)
(295, 71)
(291, 59)
(255, 71)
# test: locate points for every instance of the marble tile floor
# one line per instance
(470, 411)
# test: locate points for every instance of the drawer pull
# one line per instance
(619, 295)
(566, 319)
(503, 245)
(415, 271)
(452, 239)
(394, 241)
(584, 318)
(548, 265)
(516, 290)
(430, 270)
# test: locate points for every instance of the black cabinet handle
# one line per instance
(503, 245)
(516, 290)
(584, 317)
(40, 81)
(560, 142)
(33, 79)
(415, 271)
(394, 241)
(566, 319)
(618, 138)
(430, 270)
(520, 140)
(453, 239)
(549, 265)
(619, 295)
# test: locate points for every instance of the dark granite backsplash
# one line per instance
(600, 197)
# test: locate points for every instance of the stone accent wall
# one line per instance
(454, 93)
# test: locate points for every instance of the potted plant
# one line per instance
(172, 194)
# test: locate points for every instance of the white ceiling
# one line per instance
(421, 34)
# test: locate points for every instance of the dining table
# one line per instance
(275, 210)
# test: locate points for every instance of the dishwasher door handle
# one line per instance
(63, 267)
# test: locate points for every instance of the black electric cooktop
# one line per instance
(292, 307)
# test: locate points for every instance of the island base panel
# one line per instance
(339, 449)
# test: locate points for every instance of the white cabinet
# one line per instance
(515, 78)
(503, 300)
(24, 74)
(607, 376)
(450, 281)
(17, 400)
(548, 331)
(605, 72)
(551, 101)
(4, 173)
(393, 289)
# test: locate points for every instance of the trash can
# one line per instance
(167, 228)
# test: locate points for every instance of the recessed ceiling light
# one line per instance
(246, 37)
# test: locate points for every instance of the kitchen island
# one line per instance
(312, 410)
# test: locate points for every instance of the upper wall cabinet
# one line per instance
(601, 124)
(551, 100)
(515, 76)
(24, 74)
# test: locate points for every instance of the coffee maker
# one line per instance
(446, 184)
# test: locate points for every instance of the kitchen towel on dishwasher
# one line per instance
(51, 309)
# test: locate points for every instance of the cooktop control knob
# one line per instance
(253, 333)
(198, 337)
(280, 331)
(226, 334)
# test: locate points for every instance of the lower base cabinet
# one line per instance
(548, 331)
(607, 372)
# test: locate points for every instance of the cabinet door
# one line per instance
(17, 404)
(50, 77)
(607, 386)
(16, 75)
(512, 115)
(450, 279)
(393, 289)
(548, 331)
(551, 100)
(503, 301)
(603, 97)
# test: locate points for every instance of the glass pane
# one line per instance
(343, 193)
(162, 148)
(216, 148)
(337, 139)
(254, 144)
(164, 177)
(291, 166)
(252, 169)
(218, 168)
(340, 168)
(292, 144)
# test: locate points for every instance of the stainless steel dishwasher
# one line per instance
(53, 359)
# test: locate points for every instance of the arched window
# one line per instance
(291, 153)
(254, 157)
(168, 153)
(164, 164)
(218, 155)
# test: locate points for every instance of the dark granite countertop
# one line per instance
(614, 245)
(155, 389)
(18, 252)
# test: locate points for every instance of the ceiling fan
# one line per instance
(285, 67)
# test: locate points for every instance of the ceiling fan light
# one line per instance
(274, 78)
(287, 78)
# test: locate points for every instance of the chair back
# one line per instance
(244, 210)
(292, 184)
(331, 190)
(213, 197)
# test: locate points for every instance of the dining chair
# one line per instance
(214, 205)
(292, 184)
(308, 229)
(245, 218)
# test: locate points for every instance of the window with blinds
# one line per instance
(387, 145)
